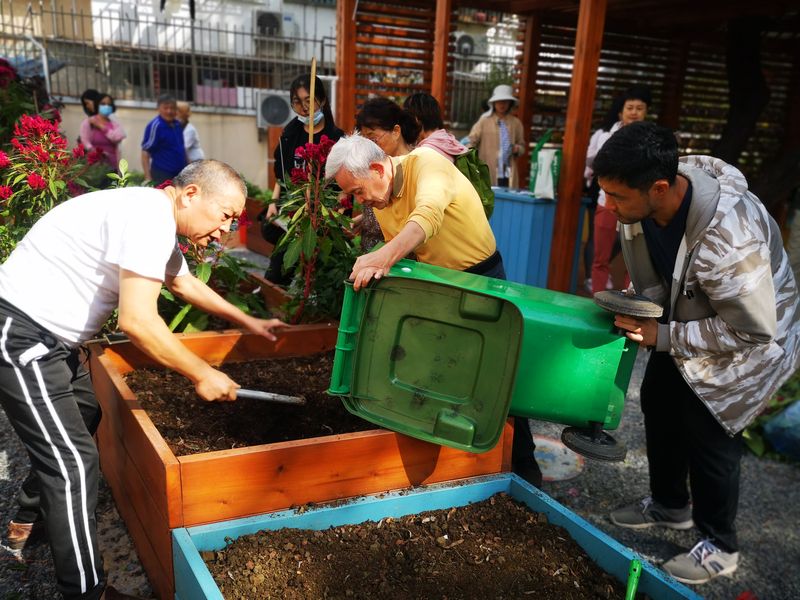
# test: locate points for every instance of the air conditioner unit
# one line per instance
(467, 44)
(272, 108)
(268, 23)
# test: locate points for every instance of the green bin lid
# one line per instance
(435, 360)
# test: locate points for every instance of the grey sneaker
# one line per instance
(702, 563)
(648, 513)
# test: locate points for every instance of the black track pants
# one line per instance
(48, 398)
(684, 439)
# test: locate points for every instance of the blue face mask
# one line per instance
(105, 110)
(318, 116)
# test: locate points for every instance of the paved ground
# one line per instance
(768, 521)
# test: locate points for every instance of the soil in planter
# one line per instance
(497, 548)
(190, 425)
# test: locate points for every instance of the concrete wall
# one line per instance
(232, 138)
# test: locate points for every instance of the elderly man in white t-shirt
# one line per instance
(83, 259)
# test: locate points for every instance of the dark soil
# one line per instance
(190, 425)
(497, 548)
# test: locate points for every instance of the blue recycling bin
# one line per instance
(523, 227)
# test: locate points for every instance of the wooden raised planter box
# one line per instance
(156, 491)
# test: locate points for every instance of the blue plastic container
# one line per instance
(523, 227)
(193, 580)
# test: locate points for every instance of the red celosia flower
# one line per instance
(36, 181)
(7, 74)
(41, 154)
(5, 192)
(74, 189)
(346, 201)
(34, 125)
(300, 152)
(298, 176)
(243, 222)
(78, 151)
(95, 156)
(183, 247)
(4, 162)
(17, 144)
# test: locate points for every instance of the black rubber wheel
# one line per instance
(604, 447)
(619, 302)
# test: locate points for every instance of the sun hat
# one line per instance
(503, 92)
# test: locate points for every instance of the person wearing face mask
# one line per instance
(499, 138)
(395, 130)
(632, 106)
(310, 115)
(99, 131)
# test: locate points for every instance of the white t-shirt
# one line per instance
(192, 143)
(64, 274)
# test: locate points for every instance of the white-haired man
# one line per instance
(425, 206)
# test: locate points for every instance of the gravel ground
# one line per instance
(769, 514)
(28, 574)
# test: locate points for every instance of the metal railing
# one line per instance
(138, 57)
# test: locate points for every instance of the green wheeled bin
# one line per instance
(446, 356)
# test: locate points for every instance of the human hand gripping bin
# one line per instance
(446, 356)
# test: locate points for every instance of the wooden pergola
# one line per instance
(415, 26)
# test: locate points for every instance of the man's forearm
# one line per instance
(198, 294)
(405, 242)
(154, 338)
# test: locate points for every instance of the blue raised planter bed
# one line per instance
(193, 580)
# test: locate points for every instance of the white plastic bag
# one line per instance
(545, 166)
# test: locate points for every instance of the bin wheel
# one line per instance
(600, 446)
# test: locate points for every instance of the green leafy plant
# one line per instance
(317, 245)
(37, 173)
(225, 274)
(787, 394)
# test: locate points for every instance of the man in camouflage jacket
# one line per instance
(698, 243)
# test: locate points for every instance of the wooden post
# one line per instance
(312, 99)
(588, 41)
(670, 111)
(527, 87)
(441, 51)
(273, 139)
(345, 61)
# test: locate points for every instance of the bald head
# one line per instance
(214, 177)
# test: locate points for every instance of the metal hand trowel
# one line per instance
(269, 397)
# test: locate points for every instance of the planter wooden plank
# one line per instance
(156, 491)
(254, 480)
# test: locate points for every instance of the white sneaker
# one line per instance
(702, 563)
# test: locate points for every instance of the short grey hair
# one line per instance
(213, 176)
(355, 154)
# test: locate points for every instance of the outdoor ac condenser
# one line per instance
(272, 108)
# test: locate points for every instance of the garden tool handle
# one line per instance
(269, 397)
(634, 573)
